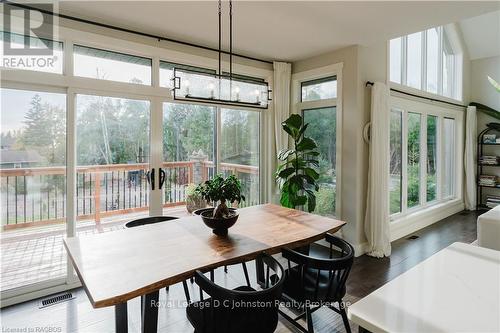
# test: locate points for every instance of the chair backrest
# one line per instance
(243, 309)
(313, 271)
(149, 220)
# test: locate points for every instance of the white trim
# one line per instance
(297, 106)
(423, 218)
(37, 291)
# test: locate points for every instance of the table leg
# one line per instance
(149, 313)
(121, 322)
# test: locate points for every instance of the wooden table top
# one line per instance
(120, 265)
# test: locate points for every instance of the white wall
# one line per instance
(481, 90)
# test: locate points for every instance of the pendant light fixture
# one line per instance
(221, 87)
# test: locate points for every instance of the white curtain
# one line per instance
(470, 158)
(377, 229)
(281, 97)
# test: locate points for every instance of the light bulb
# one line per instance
(186, 84)
(237, 92)
(257, 95)
(211, 86)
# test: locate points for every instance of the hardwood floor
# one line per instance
(368, 274)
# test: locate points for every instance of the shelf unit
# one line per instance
(480, 166)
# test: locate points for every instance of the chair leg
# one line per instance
(167, 288)
(344, 318)
(225, 269)
(191, 279)
(245, 271)
(186, 291)
(310, 328)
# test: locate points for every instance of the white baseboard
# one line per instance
(421, 219)
(34, 294)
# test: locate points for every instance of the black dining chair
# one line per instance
(153, 220)
(316, 281)
(240, 310)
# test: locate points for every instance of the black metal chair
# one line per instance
(152, 220)
(241, 310)
(315, 282)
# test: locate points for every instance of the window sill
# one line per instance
(403, 225)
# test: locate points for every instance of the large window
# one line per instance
(427, 61)
(423, 156)
(107, 65)
(317, 98)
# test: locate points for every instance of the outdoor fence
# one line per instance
(37, 196)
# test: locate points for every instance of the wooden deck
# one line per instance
(32, 255)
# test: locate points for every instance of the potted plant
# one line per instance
(297, 176)
(194, 200)
(220, 191)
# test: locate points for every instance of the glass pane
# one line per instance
(413, 189)
(239, 151)
(414, 62)
(323, 129)
(113, 66)
(112, 147)
(448, 67)
(167, 72)
(396, 152)
(32, 187)
(51, 63)
(431, 157)
(188, 151)
(449, 158)
(432, 59)
(319, 89)
(395, 59)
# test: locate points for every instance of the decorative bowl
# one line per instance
(219, 226)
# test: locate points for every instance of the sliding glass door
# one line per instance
(32, 187)
(112, 155)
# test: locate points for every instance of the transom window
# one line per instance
(314, 90)
(426, 61)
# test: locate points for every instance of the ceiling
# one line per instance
(482, 35)
(279, 30)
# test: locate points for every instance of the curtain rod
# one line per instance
(143, 34)
(369, 83)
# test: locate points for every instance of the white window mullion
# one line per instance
(423, 159)
(404, 163)
(439, 156)
(423, 85)
(440, 62)
(404, 54)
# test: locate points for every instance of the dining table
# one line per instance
(115, 267)
(455, 290)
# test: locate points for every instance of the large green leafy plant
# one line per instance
(221, 190)
(297, 174)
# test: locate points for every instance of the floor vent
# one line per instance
(412, 237)
(55, 300)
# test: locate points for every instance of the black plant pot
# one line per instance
(219, 226)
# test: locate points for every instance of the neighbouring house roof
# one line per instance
(8, 156)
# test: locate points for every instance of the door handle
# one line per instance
(150, 175)
(162, 177)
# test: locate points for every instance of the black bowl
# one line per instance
(201, 210)
(219, 225)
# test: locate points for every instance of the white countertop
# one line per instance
(455, 290)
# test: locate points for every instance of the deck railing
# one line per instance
(37, 196)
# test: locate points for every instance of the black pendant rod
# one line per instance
(220, 35)
(369, 83)
(231, 38)
(139, 33)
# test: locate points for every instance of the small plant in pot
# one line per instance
(220, 191)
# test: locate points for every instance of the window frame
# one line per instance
(297, 107)
(457, 77)
(66, 82)
(405, 106)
